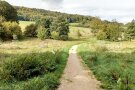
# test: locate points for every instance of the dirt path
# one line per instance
(76, 75)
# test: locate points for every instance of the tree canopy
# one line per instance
(8, 11)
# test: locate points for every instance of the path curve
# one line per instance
(76, 76)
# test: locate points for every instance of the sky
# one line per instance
(120, 10)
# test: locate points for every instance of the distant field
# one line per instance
(85, 32)
(23, 24)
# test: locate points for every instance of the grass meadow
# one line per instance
(40, 63)
(113, 63)
(34, 64)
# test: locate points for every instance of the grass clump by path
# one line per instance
(33, 71)
(114, 70)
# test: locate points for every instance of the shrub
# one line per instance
(52, 65)
(79, 34)
(26, 66)
(46, 23)
(101, 35)
(2, 19)
(64, 37)
(22, 67)
(10, 29)
(52, 81)
(31, 30)
(2, 36)
(61, 26)
(55, 35)
(41, 33)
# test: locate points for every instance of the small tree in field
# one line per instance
(46, 23)
(130, 33)
(11, 30)
(109, 31)
(101, 35)
(61, 26)
(55, 35)
(31, 30)
(41, 33)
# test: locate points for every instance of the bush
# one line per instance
(55, 35)
(79, 34)
(64, 37)
(26, 66)
(101, 35)
(46, 23)
(2, 19)
(41, 33)
(21, 68)
(51, 66)
(61, 26)
(2, 36)
(31, 30)
(10, 29)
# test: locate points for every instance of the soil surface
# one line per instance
(77, 76)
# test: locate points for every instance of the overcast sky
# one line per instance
(121, 10)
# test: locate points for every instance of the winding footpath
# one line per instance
(76, 75)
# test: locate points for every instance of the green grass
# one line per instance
(16, 53)
(115, 70)
(14, 77)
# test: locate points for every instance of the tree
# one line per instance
(11, 30)
(31, 30)
(61, 26)
(111, 31)
(130, 33)
(54, 35)
(46, 23)
(95, 25)
(101, 35)
(41, 32)
(8, 11)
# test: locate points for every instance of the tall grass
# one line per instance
(33, 71)
(114, 70)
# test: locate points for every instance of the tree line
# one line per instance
(33, 14)
(55, 25)
(46, 27)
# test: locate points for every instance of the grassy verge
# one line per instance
(114, 70)
(35, 71)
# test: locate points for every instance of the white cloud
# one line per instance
(122, 10)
